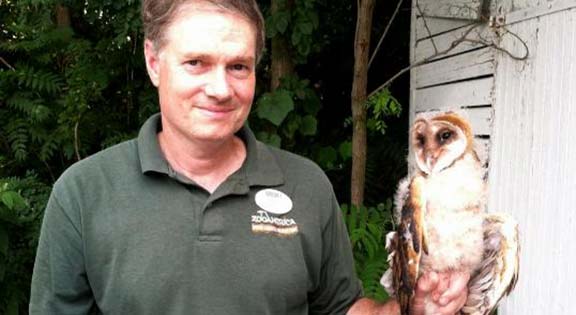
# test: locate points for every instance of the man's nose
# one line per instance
(217, 85)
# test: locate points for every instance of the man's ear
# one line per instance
(152, 57)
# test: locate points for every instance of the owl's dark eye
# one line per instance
(421, 140)
(445, 136)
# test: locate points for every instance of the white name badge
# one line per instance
(273, 201)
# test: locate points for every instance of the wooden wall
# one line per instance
(524, 113)
(452, 77)
(533, 157)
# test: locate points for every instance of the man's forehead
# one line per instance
(197, 32)
(206, 7)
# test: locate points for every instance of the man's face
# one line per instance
(205, 73)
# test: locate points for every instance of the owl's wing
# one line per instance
(408, 244)
(498, 273)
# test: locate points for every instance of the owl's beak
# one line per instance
(431, 160)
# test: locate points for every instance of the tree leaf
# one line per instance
(270, 138)
(312, 103)
(4, 241)
(308, 126)
(291, 125)
(306, 28)
(12, 200)
(281, 21)
(345, 150)
(296, 37)
(274, 107)
(326, 157)
(12, 308)
(2, 269)
(7, 199)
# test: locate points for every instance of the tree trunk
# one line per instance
(359, 85)
(281, 60)
(62, 16)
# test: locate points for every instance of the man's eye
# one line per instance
(193, 62)
(239, 67)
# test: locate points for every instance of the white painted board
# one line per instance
(461, 9)
(469, 65)
(431, 26)
(460, 94)
(533, 161)
(452, 42)
(480, 118)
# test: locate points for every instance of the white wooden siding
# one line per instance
(527, 5)
(463, 9)
(427, 48)
(430, 26)
(466, 93)
(533, 158)
(525, 114)
(461, 67)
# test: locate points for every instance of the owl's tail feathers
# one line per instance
(395, 280)
(498, 272)
(387, 280)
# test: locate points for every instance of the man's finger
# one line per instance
(428, 282)
(443, 284)
(458, 285)
(454, 305)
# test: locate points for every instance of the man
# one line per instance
(195, 216)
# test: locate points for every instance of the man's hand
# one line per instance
(440, 294)
(436, 294)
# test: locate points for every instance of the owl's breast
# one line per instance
(455, 241)
(457, 188)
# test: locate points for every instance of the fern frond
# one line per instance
(29, 106)
(22, 102)
(39, 80)
(48, 149)
(17, 134)
(370, 271)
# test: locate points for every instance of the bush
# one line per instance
(21, 206)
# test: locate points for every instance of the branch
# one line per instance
(495, 46)
(454, 44)
(426, 26)
(6, 64)
(77, 140)
(385, 32)
(52, 177)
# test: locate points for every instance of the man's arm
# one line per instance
(59, 283)
(437, 293)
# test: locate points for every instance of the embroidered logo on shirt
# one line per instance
(273, 202)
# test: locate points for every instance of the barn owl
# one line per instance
(442, 222)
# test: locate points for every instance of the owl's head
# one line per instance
(439, 140)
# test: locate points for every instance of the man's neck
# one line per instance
(207, 163)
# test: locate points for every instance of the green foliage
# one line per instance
(69, 90)
(299, 23)
(288, 114)
(21, 204)
(65, 92)
(367, 227)
(275, 106)
(381, 105)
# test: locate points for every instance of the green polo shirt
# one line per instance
(125, 234)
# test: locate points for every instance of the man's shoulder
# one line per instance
(117, 159)
(289, 159)
(297, 167)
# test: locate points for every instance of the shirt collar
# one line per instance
(260, 166)
(151, 156)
